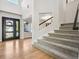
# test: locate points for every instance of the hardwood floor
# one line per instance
(21, 49)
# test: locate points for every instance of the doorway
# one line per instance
(10, 28)
(28, 28)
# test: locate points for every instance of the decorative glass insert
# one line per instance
(9, 22)
(14, 1)
(9, 29)
(9, 35)
(17, 26)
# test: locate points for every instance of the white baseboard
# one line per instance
(21, 37)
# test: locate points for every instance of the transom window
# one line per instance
(14, 1)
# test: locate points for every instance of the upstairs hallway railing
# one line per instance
(75, 27)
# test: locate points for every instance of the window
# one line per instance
(14, 1)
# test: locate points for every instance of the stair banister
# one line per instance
(45, 21)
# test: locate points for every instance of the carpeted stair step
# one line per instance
(67, 31)
(68, 42)
(66, 36)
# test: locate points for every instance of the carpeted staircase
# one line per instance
(63, 44)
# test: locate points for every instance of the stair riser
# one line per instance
(67, 32)
(64, 36)
(65, 51)
(63, 42)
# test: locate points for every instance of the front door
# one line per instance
(10, 28)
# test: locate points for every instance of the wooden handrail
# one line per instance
(45, 21)
(76, 18)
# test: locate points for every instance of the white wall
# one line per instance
(11, 15)
(67, 11)
(70, 11)
(62, 10)
(26, 12)
(42, 6)
(9, 7)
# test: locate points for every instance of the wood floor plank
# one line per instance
(21, 49)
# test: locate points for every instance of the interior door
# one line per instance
(10, 28)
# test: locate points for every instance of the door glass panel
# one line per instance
(17, 29)
(9, 29)
(9, 35)
(9, 22)
(17, 26)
